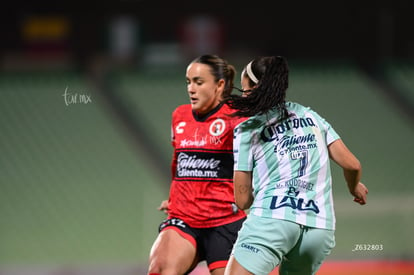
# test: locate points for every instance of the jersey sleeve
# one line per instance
(330, 134)
(242, 149)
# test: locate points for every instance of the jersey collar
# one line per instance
(202, 118)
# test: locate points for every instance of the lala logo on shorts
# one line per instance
(217, 127)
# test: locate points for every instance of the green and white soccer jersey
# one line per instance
(290, 165)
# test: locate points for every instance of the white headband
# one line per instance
(250, 73)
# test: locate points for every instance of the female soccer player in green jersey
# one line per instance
(282, 173)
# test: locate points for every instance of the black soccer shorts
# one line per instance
(213, 244)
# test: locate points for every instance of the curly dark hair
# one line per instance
(269, 93)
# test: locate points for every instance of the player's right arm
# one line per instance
(243, 191)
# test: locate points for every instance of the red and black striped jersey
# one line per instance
(201, 192)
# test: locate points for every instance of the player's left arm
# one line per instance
(243, 191)
(352, 170)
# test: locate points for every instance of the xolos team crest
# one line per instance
(217, 127)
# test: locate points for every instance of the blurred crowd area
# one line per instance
(137, 33)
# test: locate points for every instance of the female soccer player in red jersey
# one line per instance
(203, 220)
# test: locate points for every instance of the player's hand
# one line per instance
(360, 193)
(164, 206)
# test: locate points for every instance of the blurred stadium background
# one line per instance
(86, 95)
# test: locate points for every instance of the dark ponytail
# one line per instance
(269, 92)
